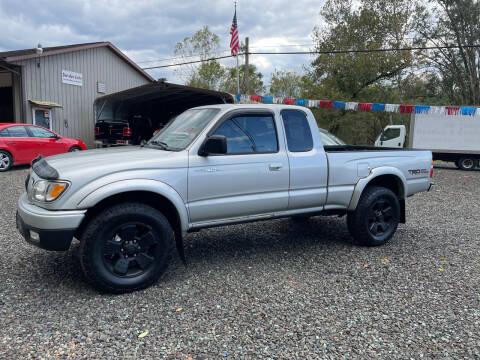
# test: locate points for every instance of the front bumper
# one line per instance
(47, 229)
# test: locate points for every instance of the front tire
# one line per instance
(376, 217)
(6, 160)
(126, 247)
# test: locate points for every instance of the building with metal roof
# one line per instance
(56, 87)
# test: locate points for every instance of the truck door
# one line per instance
(251, 179)
(308, 161)
(392, 136)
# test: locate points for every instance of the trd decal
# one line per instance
(418, 171)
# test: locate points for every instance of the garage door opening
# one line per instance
(134, 115)
(6, 97)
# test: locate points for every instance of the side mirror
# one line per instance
(215, 144)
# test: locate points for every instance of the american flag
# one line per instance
(234, 45)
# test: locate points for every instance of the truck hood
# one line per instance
(95, 163)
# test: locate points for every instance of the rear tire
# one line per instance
(75, 149)
(466, 163)
(376, 217)
(6, 160)
(126, 247)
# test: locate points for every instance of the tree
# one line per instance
(285, 84)
(255, 77)
(360, 76)
(202, 45)
(457, 23)
(373, 24)
(210, 75)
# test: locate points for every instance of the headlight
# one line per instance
(48, 190)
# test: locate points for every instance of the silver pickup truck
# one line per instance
(211, 166)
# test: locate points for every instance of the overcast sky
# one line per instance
(148, 30)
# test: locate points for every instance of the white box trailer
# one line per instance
(454, 138)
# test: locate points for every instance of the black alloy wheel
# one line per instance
(131, 249)
(381, 218)
(126, 247)
(376, 217)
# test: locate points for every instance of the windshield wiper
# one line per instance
(161, 144)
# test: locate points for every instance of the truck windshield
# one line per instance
(330, 139)
(182, 130)
(390, 133)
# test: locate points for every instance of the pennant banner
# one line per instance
(355, 106)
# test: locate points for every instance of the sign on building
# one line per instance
(72, 78)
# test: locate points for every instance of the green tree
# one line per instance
(210, 75)
(203, 45)
(452, 23)
(285, 84)
(255, 80)
(360, 76)
(373, 24)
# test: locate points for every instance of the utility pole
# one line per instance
(247, 72)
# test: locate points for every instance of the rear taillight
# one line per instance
(431, 169)
(97, 131)
(127, 132)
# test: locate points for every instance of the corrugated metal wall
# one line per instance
(76, 118)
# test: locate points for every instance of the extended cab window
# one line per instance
(297, 130)
(17, 131)
(249, 134)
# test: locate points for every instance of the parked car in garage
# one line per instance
(21, 143)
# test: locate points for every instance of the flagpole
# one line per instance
(238, 77)
(238, 71)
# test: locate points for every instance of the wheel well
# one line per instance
(152, 199)
(7, 152)
(391, 182)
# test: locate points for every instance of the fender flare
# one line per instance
(147, 185)
(374, 173)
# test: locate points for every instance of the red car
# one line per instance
(21, 143)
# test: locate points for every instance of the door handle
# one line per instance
(275, 167)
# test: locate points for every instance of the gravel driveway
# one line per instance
(273, 290)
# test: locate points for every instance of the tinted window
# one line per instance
(299, 136)
(249, 133)
(17, 131)
(4, 133)
(40, 133)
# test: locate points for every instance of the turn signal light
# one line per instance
(127, 132)
(57, 189)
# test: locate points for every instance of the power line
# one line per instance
(189, 62)
(329, 52)
(221, 51)
(179, 57)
